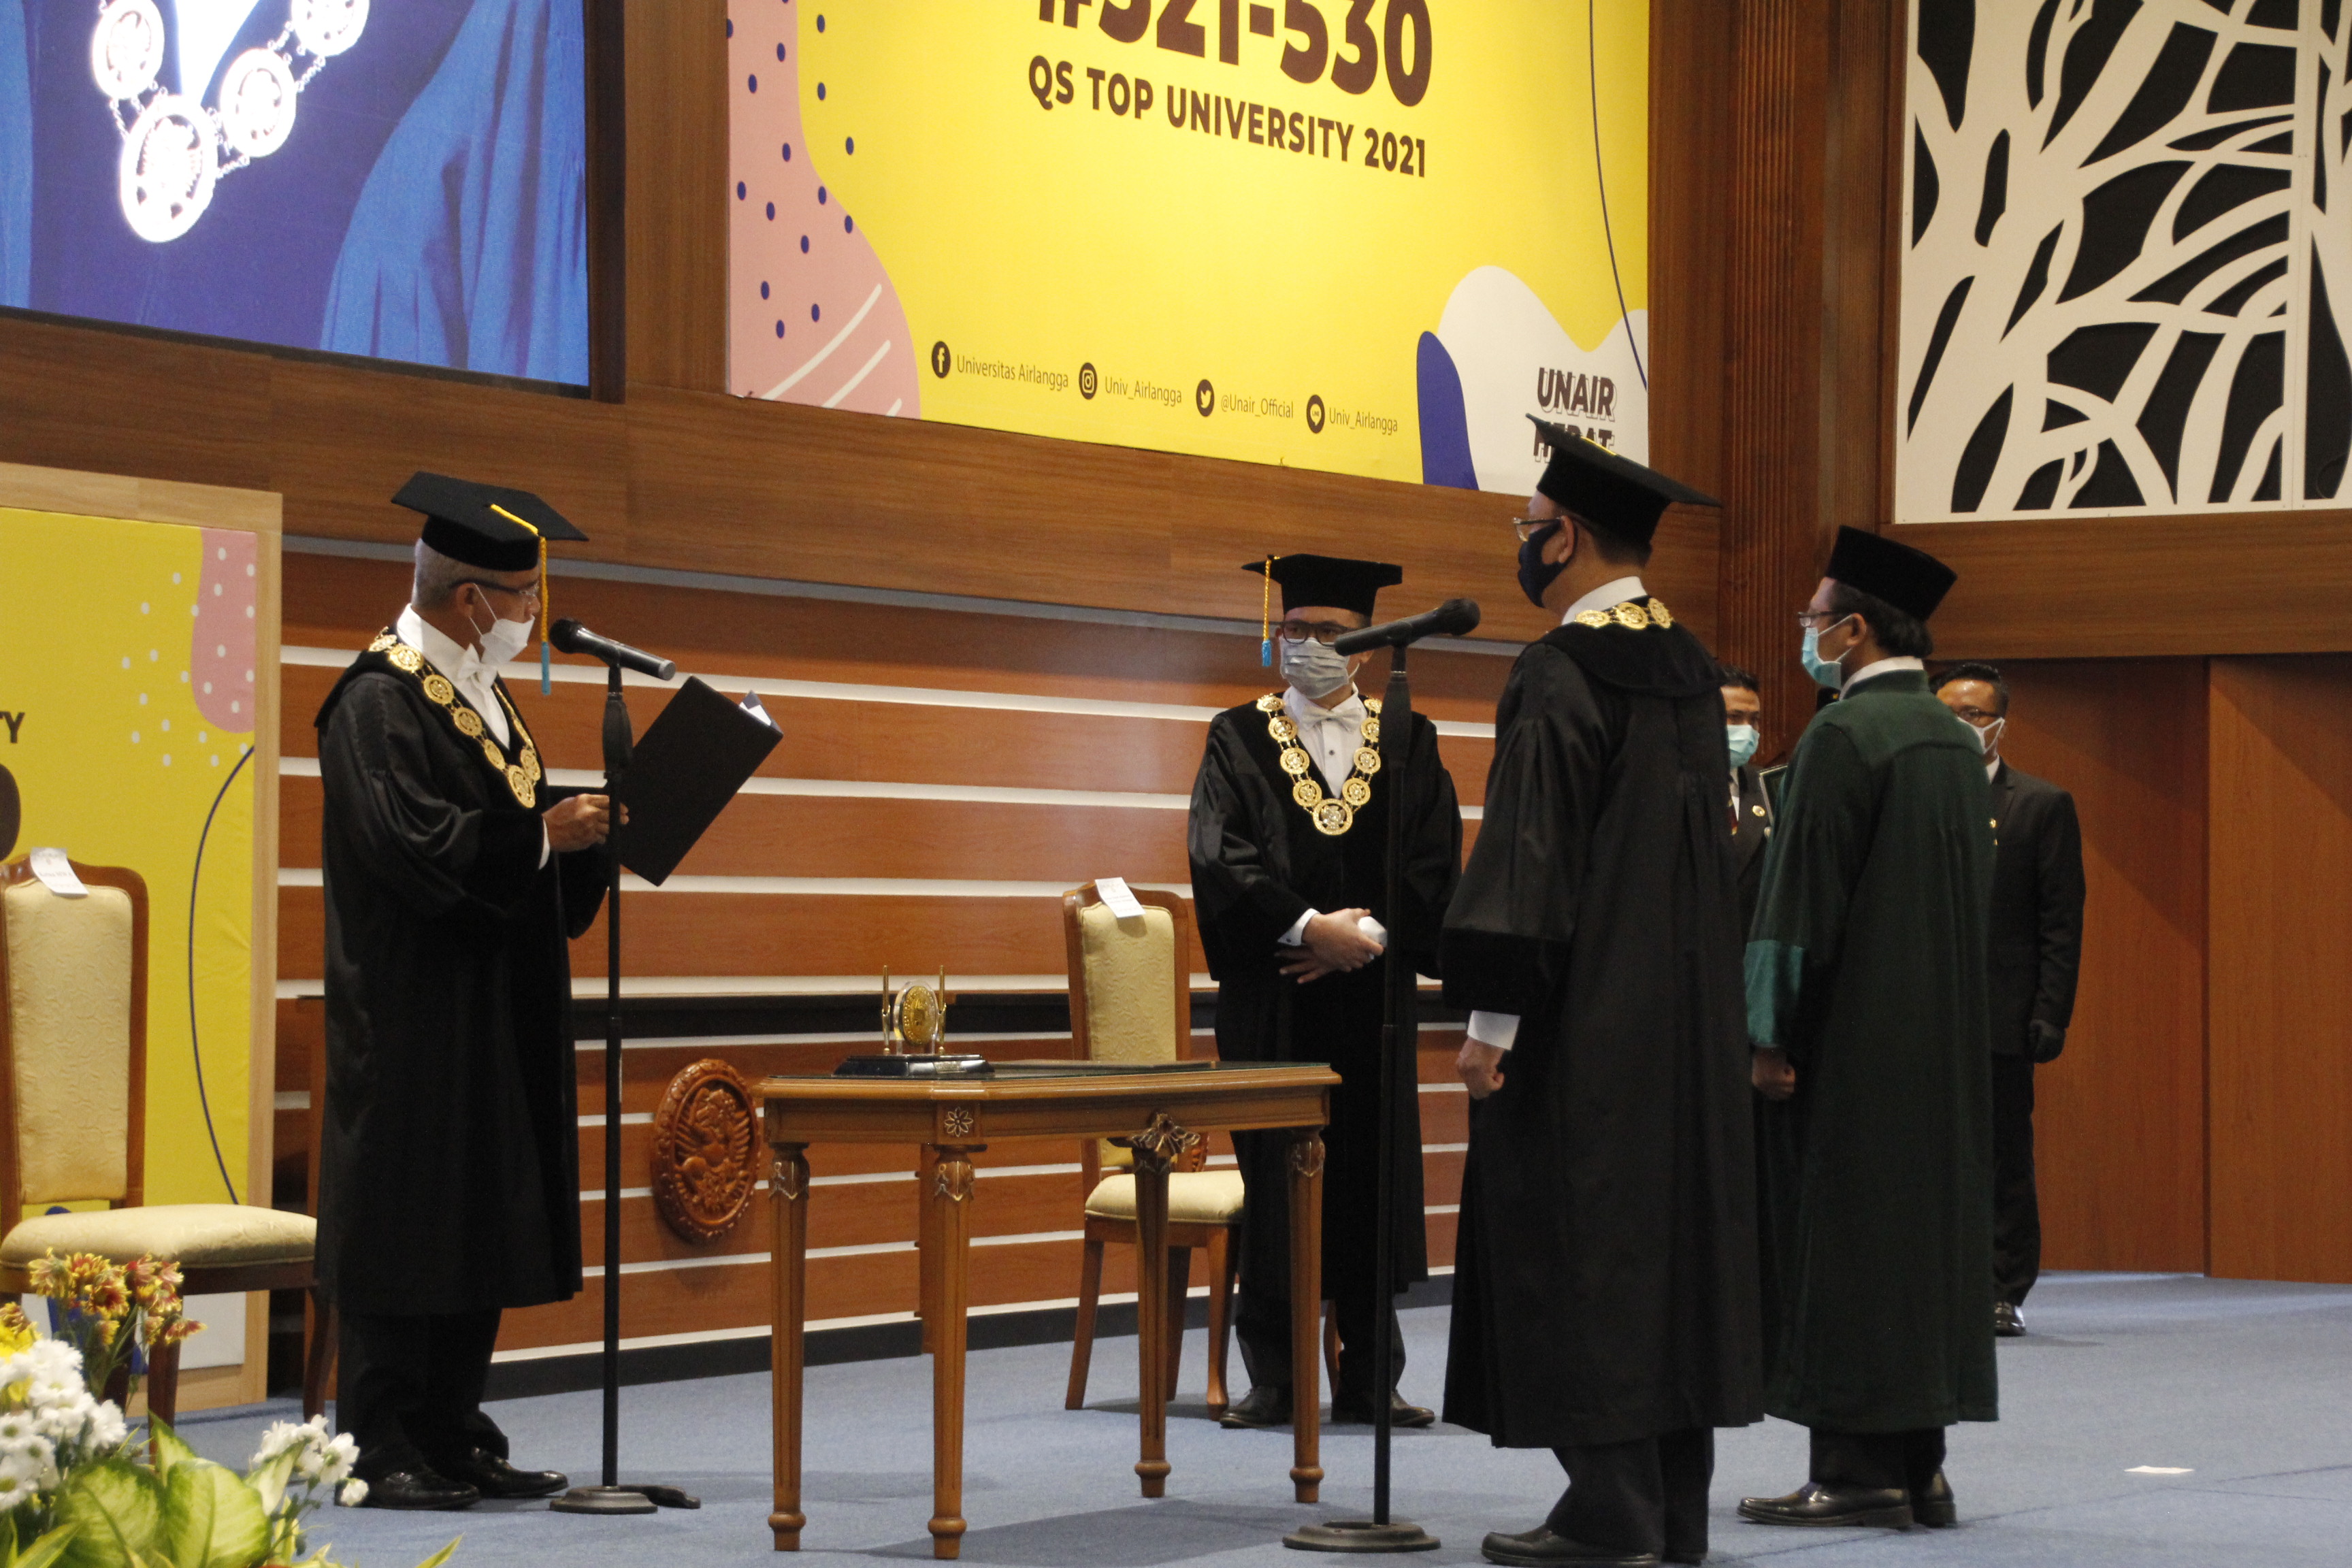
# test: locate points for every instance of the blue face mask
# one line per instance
(1534, 577)
(1826, 671)
(1743, 739)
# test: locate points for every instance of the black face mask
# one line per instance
(1534, 577)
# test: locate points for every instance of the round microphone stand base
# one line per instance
(648, 1499)
(1361, 1535)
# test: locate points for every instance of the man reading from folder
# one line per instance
(449, 1166)
(1289, 834)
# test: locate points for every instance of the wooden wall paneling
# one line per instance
(677, 225)
(2120, 1119)
(606, 65)
(1691, 54)
(2280, 993)
(84, 398)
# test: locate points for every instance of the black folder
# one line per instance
(688, 765)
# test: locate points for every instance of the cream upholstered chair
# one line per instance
(1131, 1000)
(73, 1069)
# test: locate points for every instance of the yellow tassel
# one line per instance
(546, 675)
(1266, 616)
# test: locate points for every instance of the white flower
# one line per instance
(355, 1493)
(309, 1464)
(280, 1436)
(107, 1428)
(18, 1476)
(16, 1427)
(343, 1453)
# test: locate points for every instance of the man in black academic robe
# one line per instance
(2034, 954)
(1865, 972)
(1751, 806)
(449, 1158)
(1288, 837)
(1604, 1282)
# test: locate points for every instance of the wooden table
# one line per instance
(1158, 1115)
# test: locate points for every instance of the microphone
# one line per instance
(1450, 619)
(572, 638)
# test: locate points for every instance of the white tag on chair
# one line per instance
(1118, 898)
(57, 874)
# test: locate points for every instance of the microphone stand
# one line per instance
(611, 1497)
(1398, 1028)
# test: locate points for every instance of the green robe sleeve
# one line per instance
(1810, 868)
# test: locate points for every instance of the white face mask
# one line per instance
(1313, 668)
(504, 642)
(1988, 738)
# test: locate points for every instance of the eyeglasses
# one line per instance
(1825, 619)
(1324, 632)
(1980, 717)
(528, 595)
(1528, 527)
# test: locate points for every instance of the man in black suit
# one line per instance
(2034, 953)
(1751, 812)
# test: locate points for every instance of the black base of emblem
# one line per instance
(915, 1066)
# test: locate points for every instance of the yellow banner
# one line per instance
(1365, 236)
(127, 685)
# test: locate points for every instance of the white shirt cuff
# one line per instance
(1297, 935)
(546, 845)
(1500, 1030)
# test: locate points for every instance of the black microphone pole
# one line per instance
(1399, 1047)
(620, 745)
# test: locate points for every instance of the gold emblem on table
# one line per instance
(1331, 816)
(705, 1152)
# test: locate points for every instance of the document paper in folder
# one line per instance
(686, 768)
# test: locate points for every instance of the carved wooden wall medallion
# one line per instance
(705, 1150)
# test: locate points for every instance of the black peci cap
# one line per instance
(1913, 581)
(1331, 580)
(1612, 493)
(488, 526)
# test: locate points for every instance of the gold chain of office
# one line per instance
(521, 778)
(1629, 615)
(1330, 815)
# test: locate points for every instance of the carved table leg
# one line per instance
(927, 1245)
(950, 1204)
(788, 1184)
(1305, 1310)
(1152, 1314)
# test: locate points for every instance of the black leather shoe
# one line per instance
(2006, 1321)
(1540, 1547)
(1670, 1555)
(1932, 1504)
(418, 1489)
(491, 1476)
(1349, 1410)
(1266, 1404)
(1832, 1507)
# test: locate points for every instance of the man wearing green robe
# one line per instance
(1867, 1008)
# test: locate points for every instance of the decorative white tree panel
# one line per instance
(2129, 259)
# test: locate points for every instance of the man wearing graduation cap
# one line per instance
(1866, 1003)
(449, 1160)
(1288, 837)
(1604, 1278)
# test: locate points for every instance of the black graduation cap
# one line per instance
(1330, 580)
(488, 526)
(1612, 492)
(1913, 581)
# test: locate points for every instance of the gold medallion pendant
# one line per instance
(1632, 616)
(1331, 816)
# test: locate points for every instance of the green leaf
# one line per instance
(169, 1449)
(443, 1555)
(268, 1481)
(212, 1518)
(115, 1509)
(46, 1550)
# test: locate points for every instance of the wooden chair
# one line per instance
(1131, 1000)
(73, 1069)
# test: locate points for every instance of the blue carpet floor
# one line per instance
(2240, 1387)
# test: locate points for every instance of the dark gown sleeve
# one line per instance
(1243, 907)
(1810, 868)
(1432, 847)
(1505, 943)
(2058, 884)
(584, 879)
(435, 855)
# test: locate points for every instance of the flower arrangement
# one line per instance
(76, 1493)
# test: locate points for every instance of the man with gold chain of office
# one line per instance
(1289, 826)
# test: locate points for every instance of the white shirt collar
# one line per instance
(1606, 596)
(1883, 666)
(1304, 709)
(1992, 769)
(462, 664)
